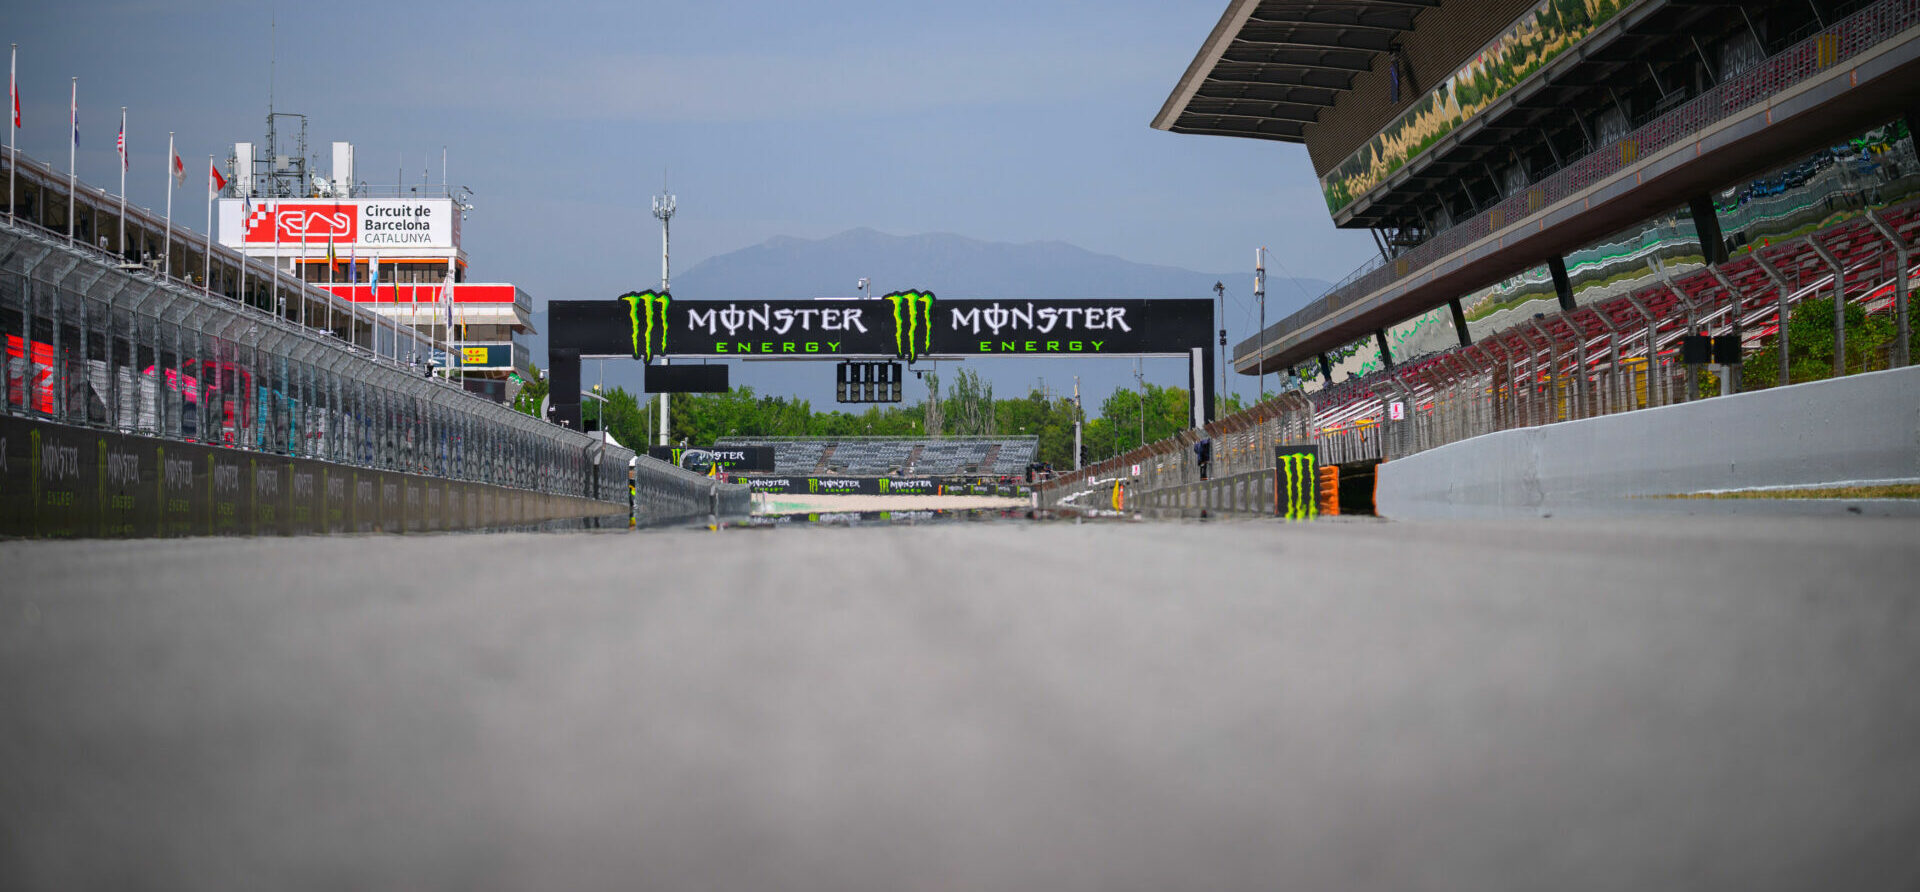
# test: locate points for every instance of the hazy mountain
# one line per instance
(954, 266)
(950, 266)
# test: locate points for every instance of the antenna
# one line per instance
(273, 54)
(663, 208)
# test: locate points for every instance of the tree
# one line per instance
(969, 411)
(1120, 423)
(531, 393)
(625, 419)
(934, 422)
(1035, 415)
(1810, 345)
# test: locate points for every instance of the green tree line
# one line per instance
(1116, 425)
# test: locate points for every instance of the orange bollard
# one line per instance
(1330, 490)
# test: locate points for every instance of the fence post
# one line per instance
(1903, 259)
(1782, 313)
(1839, 305)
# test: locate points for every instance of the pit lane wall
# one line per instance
(60, 481)
(665, 493)
(1858, 428)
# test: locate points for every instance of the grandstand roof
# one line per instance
(1270, 66)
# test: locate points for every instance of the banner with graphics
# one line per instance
(732, 458)
(346, 222)
(1296, 483)
(883, 486)
(904, 325)
(1539, 35)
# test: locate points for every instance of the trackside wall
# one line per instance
(60, 481)
(1861, 427)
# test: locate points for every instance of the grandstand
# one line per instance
(897, 456)
(1665, 171)
(1483, 141)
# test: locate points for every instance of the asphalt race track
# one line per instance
(1657, 703)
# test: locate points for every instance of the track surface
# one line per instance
(1670, 703)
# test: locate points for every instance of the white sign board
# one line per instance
(1397, 411)
(363, 222)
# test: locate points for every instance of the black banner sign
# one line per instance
(903, 325)
(883, 486)
(738, 458)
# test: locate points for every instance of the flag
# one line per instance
(353, 263)
(446, 299)
(74, 110)
(333, 260)
(215, 182)
(121, 142)
(373, 279)
(179, 169)
(13, 86)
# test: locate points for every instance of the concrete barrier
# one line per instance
(1858, 428)
(60, 481)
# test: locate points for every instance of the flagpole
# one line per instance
(413, 317)
(13, 129)
(206, 278)
(245, 258)
(73, 150)
(330, 272)
(273, 219)
(123, 181)
(166, 245)
(353, 284)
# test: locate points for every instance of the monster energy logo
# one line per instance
(643, 307)
(1302, 480)
(912, 323)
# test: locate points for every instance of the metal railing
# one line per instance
(94, 345)
(1815, 54)
(42, 203)
(1614, 355)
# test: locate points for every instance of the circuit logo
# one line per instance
(300, 223)
(912, 323)
(647, 314)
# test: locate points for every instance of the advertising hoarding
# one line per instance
(646, 325)
(347, 222)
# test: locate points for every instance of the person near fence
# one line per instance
(1203, 456)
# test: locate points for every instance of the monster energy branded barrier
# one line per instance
(731, 459)
(1296, 485)
(905, 325)
(883, 486)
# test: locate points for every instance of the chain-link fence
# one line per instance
(131, 351)
(1617, 354)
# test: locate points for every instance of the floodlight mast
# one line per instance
(663, 208)
(1260, 294)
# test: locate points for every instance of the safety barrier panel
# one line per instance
(59, 480)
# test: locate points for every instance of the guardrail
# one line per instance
(108, 349)
(664, 493)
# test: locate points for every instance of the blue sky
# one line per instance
(1001, 121)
